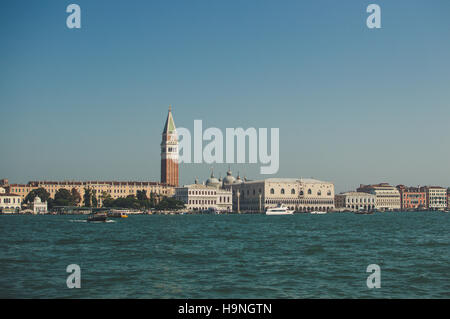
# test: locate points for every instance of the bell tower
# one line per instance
(169, 152)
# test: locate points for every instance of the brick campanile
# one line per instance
(169, 152)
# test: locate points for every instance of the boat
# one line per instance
(97, 217)
(279, 210)
(316, 212)
(117, 214)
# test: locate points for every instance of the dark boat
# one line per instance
(97, 217)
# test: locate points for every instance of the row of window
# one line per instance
(319, 193)
(224, 199)
(361, 206)
(202, 192)
(361, 200)
(202, 202)
(283, 192)
(301, 201)
(9, 201)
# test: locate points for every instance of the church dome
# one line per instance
(238, 180)
(37, 200)
(229, 179)
(212, 181)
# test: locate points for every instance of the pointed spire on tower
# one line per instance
(169, 127)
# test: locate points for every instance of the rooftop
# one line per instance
(356, 194)
(288, 180)
(8, 195)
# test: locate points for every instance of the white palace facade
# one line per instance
(299, 194)
(203, 197)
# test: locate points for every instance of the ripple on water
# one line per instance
(245, 256)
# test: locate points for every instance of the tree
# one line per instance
(76, 197)
(87, 197)
(63, 197)
(141, 195)
(152, 199)
(40, 192)
(106, 199)
(170, 203)
(94, 198)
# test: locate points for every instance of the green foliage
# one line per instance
(63, 197)
(142, 202)
(94, 198)
(76, 197)
(89, 197)
(141, 195)
(168, 203)
(41, 192)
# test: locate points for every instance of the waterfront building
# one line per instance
(436, 197)
(299, 194)
(114, 189)
(203, 197)
(169, 153)
(387, 196)
(448, 198)
(412, 197)
(9, 203)
(38, 207)
(356, 201)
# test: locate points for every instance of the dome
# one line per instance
(37, 199)
(229, 179)
(238, 180)
(212, 181)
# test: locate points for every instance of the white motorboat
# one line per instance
(318, 212)
(279, 210)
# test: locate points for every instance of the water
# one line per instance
(227, 256)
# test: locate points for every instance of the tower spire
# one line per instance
(169, 152)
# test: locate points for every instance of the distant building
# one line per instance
(412, 197)
(436, 197)
(38, 207)
(115, 189)
(448, 198)
(9, 203)
(387, 196)
(169, 153)
(356, 201)
(201, 197)
(299, 194)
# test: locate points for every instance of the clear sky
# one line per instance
(354, 105)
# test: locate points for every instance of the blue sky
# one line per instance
(353, 105)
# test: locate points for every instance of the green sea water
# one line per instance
(227, 256)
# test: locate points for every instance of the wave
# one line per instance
(85, 221)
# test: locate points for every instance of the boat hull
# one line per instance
(279, 213)
(96, 219)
